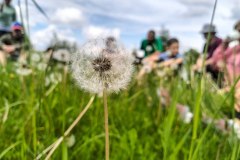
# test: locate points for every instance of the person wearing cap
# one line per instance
(226, 59)
(7, 17)
(152, 44)
(11, 44)
(212, 42)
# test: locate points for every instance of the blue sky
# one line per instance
(128, 20)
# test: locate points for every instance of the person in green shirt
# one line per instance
(152, 44)
(7, 17)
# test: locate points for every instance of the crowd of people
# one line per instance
(220, 58)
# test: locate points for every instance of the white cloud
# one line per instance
(70, 16)
(96, 31)
(197, 2)
(42, 38)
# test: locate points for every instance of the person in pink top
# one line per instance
(226, 59)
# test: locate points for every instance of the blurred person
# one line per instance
(7, 17)
(170, 58)
(227, 60)
(230, 42)
(111, 44)
(152, 44)
(214, 41)
(11, 44)
(234, 35)
(211, 44)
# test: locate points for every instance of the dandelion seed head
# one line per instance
(61, 55)
(102, 63)
(35, 57)
(23, 70)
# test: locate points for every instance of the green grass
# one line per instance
(36, 115)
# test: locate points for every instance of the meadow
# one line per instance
(36, 109)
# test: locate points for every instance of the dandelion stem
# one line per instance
(54, 146)
(106, 124)
(46, 150)
(79, 117)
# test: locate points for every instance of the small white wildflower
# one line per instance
(53, 78)
(140, 53)
(188, 117)
(23, 71)
(160, 73)
(35, 57)
(230, 123)
(56, 77)
(70, 141)
(100, 64)
(41, 66)
(61, 55)
(236, 127)
(184, 75)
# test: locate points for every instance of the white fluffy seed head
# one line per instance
(102, 63)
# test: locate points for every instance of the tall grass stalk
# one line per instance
(54, 146)
(197, 108)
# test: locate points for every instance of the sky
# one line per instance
(127, 20)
